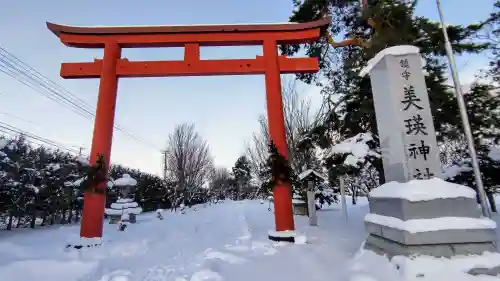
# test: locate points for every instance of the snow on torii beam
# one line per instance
(112, 66)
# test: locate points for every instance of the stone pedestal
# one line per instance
(428, 217)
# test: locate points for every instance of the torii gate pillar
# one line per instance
(282, 191)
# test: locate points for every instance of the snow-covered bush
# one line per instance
(40, 186)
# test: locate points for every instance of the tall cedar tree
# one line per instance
(484, 116)
(492, 28)
(349, 101)
(241, 174)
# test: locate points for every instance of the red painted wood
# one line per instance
(93, 208)
(112, 66)
(282, 192)
(189, 67)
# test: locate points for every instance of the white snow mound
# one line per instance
(422, 190)
(126, 180)
(368, 266)
(395, 51)
(435, 224)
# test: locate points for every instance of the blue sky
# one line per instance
(224, 109)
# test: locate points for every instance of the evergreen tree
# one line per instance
(242, 176)
(491, 28)
(484, 118)
(39, 184)
(349, 101)
(277, 169)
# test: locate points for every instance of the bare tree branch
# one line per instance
(188, 160)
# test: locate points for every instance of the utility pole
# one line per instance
(165, 165)
(80, 149)
(465, 119)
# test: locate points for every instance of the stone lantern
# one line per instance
(125, 208)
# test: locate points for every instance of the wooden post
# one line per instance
(311, 204)
(342, 197)
(282, 191)
(93, 208)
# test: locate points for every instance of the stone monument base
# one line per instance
(383, 246)
(428, 217)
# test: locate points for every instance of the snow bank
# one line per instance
(124, 200)
(455, 268)
(125, 180)
(436, 224)
(368, 266)
(301, 239)
(47, 270)
(395, 51)
(422, 190)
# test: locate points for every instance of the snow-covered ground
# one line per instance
(226, 241)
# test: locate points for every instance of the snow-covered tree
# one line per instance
(43, 186)
(189, 162)
(242, 175)
(348, 100)
(490, 32)
(299, 119)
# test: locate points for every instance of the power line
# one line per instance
(25, 74)
(12, 130)
(17, 117)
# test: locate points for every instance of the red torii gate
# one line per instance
(113, 66)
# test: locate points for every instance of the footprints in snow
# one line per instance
(213, 260)
(227, 257)
(117, 275)
(259, 248)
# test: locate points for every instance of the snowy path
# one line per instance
(324, 257)
(222, 242)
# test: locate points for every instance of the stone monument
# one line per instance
(405, 127)
(416, 212)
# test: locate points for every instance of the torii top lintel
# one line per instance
(178, 36)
